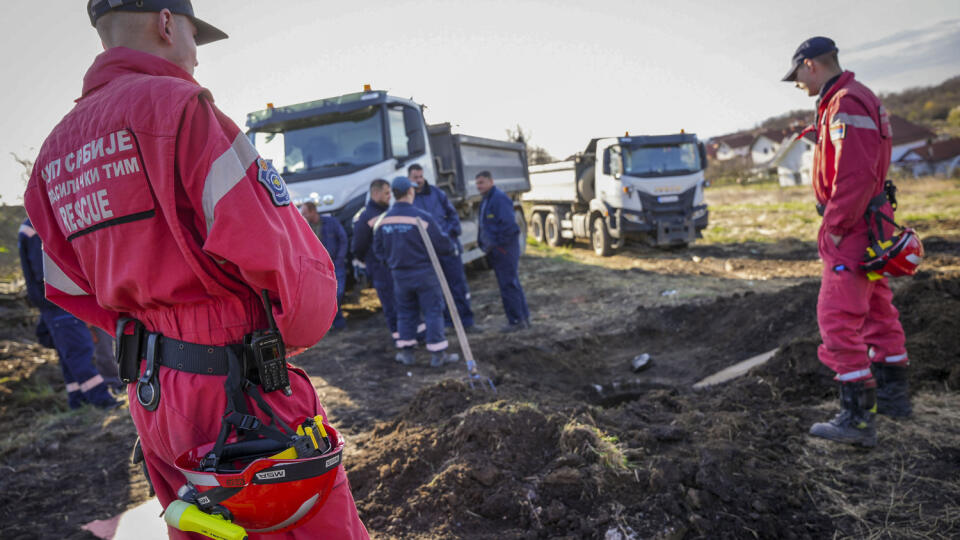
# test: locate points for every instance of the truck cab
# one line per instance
(651, 187)
(328, 151)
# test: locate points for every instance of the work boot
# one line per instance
(440, 358)
(405, 356)
(855, 423)
(510, 328)
(473, 329)
(893, 398)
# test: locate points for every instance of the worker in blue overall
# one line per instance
(334, 239)
(435, 202)
(377, 271)
(499, 238)
(398, 242)
(71, 338)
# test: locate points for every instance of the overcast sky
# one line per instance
(565, 71)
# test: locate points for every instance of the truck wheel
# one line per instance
(551, 230)
(536, 226)
(602, 243)
(522, 224)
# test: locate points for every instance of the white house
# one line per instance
(731, 146)
(794, 160)
(939, 158)
(764, 148)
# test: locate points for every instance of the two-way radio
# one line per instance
(269, 355)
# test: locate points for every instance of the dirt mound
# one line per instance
(661, 463)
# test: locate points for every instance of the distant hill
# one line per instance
(928, 105)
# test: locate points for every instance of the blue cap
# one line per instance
(401, 183)
(810, 48)
(205, 32)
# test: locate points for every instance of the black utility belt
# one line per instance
(260, 360)
(167, 352)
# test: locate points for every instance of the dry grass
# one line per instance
(772, 213)
(903, 497)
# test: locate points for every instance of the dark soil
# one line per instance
(573, 444)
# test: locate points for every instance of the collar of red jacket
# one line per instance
(117, 61)
(844, 79)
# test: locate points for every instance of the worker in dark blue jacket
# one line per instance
(398, 242)
(499, 238)
(377, 271)
(334, 239)
(71, 337)
(435, 202)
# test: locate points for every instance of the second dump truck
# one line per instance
(646, 188)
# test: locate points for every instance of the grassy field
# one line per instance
(769, 213)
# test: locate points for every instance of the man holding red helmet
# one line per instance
(155, 208)
(863, 341)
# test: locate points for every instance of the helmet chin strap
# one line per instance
(253, 433)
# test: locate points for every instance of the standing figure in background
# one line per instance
(398, 242)
(70, 336)
(377, 270)
(499, 238)
(435, 202)
(334, 239)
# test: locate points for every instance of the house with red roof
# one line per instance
(941, 158)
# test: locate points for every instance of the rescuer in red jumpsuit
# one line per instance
(863, 341)
(153, 205)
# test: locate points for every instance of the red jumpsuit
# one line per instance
(858, 322)
(152, 204)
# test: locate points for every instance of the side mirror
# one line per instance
(703, 155)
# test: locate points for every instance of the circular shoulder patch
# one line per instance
(271, 179)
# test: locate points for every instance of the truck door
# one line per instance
(408, 139)
(608, 179)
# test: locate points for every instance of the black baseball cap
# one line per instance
(810, 48)
(206, 32)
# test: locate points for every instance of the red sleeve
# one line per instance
(250, 223)
(855, 135)
(64, 281)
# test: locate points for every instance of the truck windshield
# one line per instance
(661, 160)
(351, 139)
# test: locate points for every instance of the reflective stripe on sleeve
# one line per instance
(27, 230)
(225, 172)
(91, 383)
(73, 387)
(853, 375)
(855, 120)
(55, 277)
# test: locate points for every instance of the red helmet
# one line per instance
(900, 256)
(260, 484)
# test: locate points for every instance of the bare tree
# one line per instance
(27, 165)
(536, 155)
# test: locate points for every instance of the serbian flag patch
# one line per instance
(837, 131)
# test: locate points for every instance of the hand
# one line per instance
(835, 238)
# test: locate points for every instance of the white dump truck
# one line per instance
(647, 188)
(330, 150)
